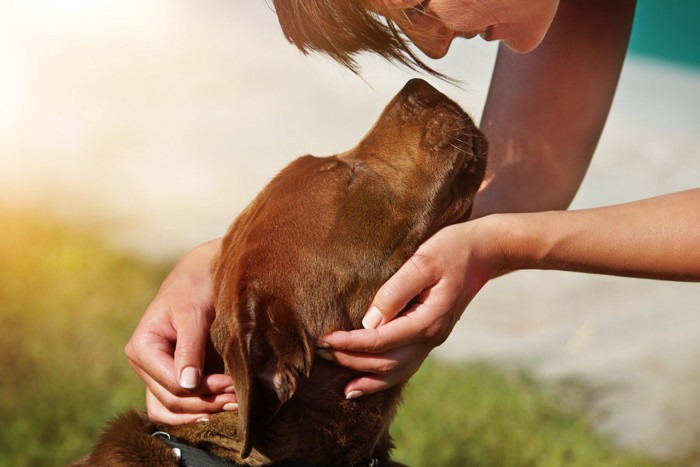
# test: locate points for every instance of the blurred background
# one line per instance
(131, 131)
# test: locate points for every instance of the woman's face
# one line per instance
(433, 24)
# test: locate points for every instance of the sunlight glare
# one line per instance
(11, 93)
(82, 10)
(86, 17)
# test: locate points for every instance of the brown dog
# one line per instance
(303, 259)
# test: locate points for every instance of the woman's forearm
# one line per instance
(546, 109)
(655, 238)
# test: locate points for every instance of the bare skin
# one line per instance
(450, 268)
(433, 25)
(561, 92)
(168, 346)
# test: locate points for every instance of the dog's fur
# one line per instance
(303, 259)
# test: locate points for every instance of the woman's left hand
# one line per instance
(416, 309)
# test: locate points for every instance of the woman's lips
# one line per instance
(487, 34)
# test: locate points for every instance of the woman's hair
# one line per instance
(344, 28)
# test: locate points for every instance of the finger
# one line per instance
(378, 364)
(190, 350)
(210, 385)
(189, 357)
(371, 384)
(213, 385)
(410, 280)
(159, 367)
(196, 404)
(359, 340)
(216, 383)
(162, 406)
(408, 329)
(157, 413)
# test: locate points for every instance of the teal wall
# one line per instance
(668, 30)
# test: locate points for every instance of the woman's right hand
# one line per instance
(167, 348)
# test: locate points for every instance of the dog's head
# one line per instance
(307, 255)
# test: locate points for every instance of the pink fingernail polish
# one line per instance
(372, 319)
(354, 395)
(230, 406)
(189, 377)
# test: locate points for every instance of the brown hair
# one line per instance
(344, 28)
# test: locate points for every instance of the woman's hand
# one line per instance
(428, 293)
(167, 348)
(655, 238)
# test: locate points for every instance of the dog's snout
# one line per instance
(418, 86)
(419, 93)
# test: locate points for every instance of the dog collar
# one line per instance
(190, 456)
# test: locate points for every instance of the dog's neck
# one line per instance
(312, 426)
(338, 429)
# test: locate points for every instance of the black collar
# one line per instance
(190, 456)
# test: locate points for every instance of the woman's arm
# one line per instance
(546, 109)
(167, 348)
(657, 238)
(544, 115)
(654, 238)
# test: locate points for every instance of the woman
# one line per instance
(552, 88)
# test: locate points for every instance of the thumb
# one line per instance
(407, 283)
(189, 355)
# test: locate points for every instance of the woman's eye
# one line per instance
(418, 9)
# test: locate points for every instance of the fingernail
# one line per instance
(354, 395)
(230, 389)
(372, 319)
(324, 355)
(323, 345)
(203, 420)
(189, 377)
(230, 407)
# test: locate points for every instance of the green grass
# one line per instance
(68, 305)
(476, 415)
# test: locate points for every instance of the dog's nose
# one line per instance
(419, 93)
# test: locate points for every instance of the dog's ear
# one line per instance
(266, 355)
